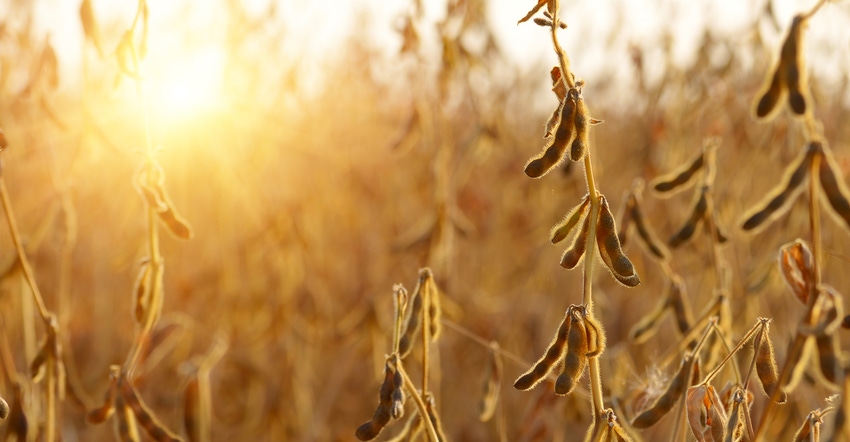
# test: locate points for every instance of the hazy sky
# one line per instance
(314, 29)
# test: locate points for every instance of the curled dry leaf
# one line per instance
(706, 415)
(796, 265)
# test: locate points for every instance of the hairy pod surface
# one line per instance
(553, 354)
(766, 368)
(383, 412)
(555, 152)
(612, 254)
(575, 253)
(581, 122)
(562, 230)
(575, 358)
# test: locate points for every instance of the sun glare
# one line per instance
(189, 84)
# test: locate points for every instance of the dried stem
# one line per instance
(420, 404)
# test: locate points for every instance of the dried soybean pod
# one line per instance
(125, 423)
(90, 27)
(596, 338)
(575, 358)
(664, 186)
(435, 418)
(828, 357)
(612, 254)
(772, 94)
(647, 325)
(804, 433)
(706, 415)
(177, 225)
(737, 420)
(665, 402)
(191, 410)
(554, 153)
(434, 310)
(381, 417)
(834, 189)
(574, 254)
(791, 62)
(581, 121)
(405, 344)
(778, 199)
(646, 234)
(679, 304)
(397, 408)
(766, 368)
(563, 229)
(540, 4)
(697, 215)
(143, 415)
(140, 291)
(544, 365)
(103, 412)
(492, 384)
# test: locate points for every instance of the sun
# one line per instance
(189, 84)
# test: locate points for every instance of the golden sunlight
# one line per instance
(188, 84)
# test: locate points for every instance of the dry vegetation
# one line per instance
(319, 266)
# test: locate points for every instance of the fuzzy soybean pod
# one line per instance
(612, 254)
(828, 357)
(677, 180)
(772, 94)
(581, 121)
(778, 199)
(697, 215)
(405, 343)
(575, 358)
(768, 372)
(791, 62)
(544, 365)
(680, 308)
(666, 401)
(645, 233)
(383, 413)
(564, 134)
(737, 425)
(143, 415)
(575, 253)
(563, 229)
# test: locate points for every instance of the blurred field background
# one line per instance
(324, 159)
